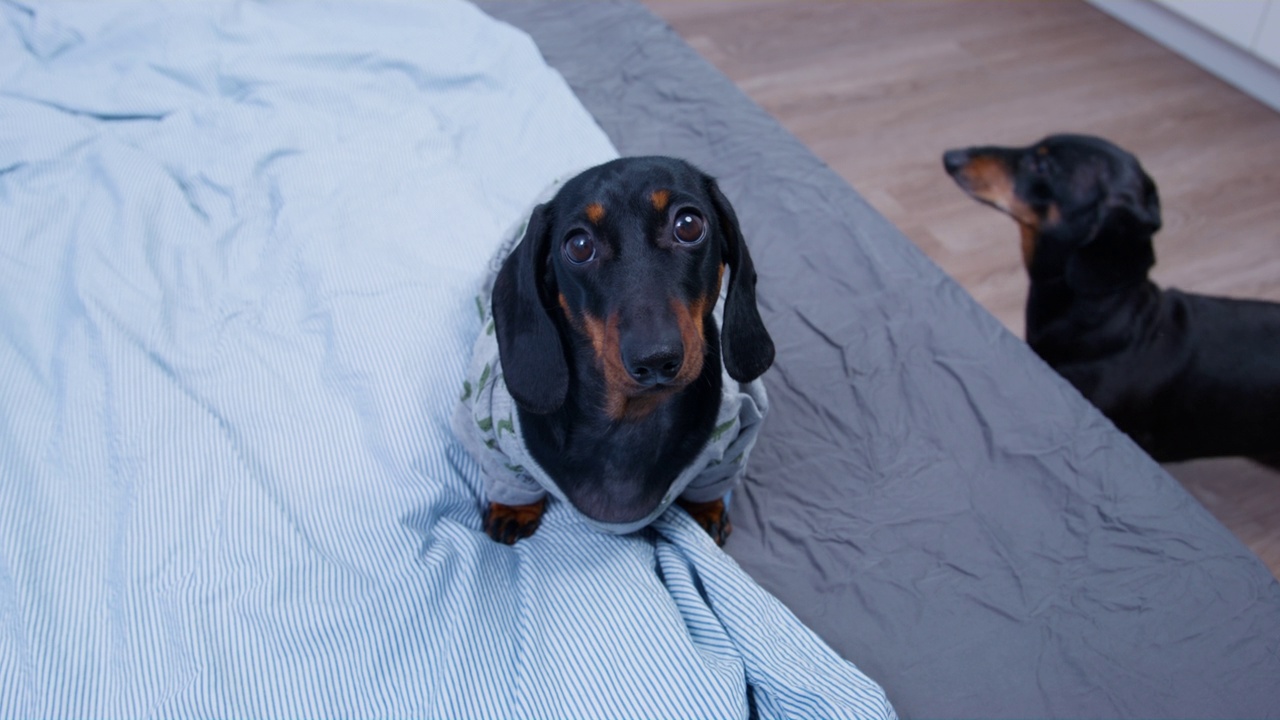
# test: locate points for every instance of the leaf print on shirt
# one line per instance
(722, 429)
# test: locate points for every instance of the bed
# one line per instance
(239, 244)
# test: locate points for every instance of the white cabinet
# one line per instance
(1267, 43)
(1234, 20)
(1237, 40)
(1253, 25)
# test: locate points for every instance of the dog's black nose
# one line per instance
(953, 160)
(660, 365)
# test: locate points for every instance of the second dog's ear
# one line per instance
(1135, 198)
(529, 344)
(1119, 251)
(745, 344)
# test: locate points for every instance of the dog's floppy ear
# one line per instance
(1119, 250)
(745, 344)
(529, 344)
(1134, 195)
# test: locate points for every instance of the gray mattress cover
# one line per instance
(927, 495)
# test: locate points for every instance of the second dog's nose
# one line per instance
(953, 160)
(658, 366)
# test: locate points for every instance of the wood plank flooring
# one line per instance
(879, 90)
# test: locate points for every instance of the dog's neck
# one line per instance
(1098, 291)
(1059, 315)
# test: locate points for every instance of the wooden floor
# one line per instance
(879, 90)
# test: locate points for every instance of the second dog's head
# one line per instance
(627, 260)
(1086, 208)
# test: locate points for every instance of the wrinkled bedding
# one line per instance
(240, 245)
(238, 248)
(926, 494)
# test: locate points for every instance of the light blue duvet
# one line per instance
(239, 250)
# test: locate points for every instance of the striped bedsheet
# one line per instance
(239, 248)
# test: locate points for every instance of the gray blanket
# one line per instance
(926, 494)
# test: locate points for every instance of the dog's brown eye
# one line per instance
(579, 248)
(690, 227)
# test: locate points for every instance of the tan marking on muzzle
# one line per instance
(597, 332)
(622, 399)
(626, 399)
(690, 318)
(1030, 233)
(988, 179)
(1029, 236)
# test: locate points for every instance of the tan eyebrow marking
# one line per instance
(595, 212)
(660, 199)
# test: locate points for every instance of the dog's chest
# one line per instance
(649, 452)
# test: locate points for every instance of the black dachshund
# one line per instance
(627, 391)
(1184, 375)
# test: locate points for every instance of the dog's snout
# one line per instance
(655, 366)
(651, 345)
(953, 160)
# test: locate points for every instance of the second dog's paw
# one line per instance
(712, 516)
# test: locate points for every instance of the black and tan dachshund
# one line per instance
(1184, 375)
(608, 342)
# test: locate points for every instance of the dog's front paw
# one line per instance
(712, 516)
(509, 523)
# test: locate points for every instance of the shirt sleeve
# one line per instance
(484, 418)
